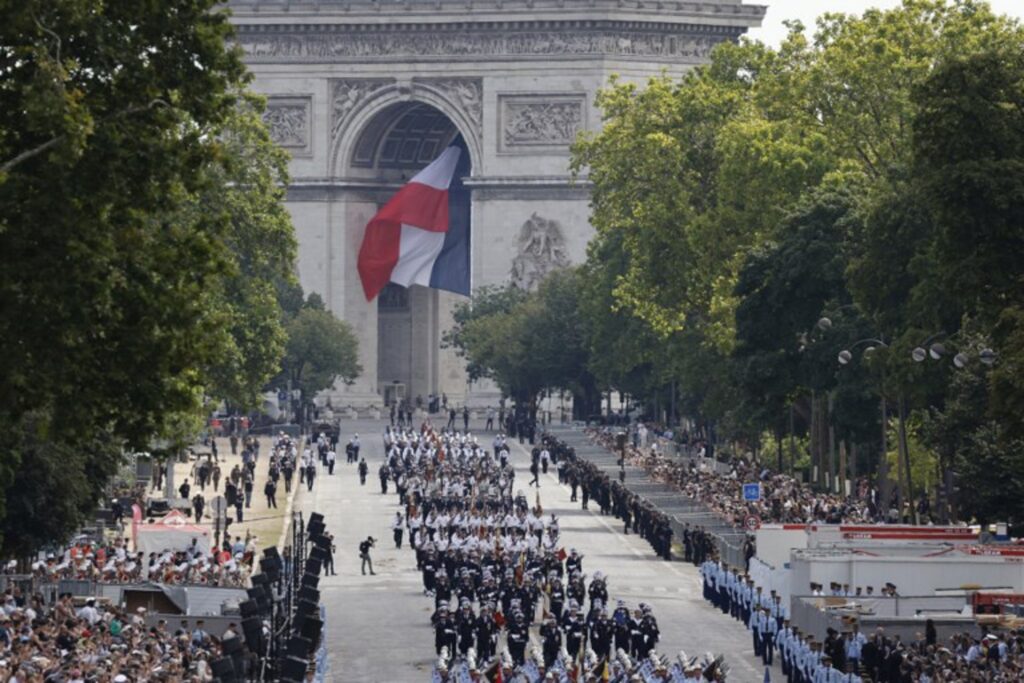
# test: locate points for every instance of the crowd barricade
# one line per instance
(902, 616)
(730, 553)
(808, 613)
(771, 578)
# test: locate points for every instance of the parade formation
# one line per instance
(508, 593)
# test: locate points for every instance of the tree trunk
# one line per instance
(905, 452)
(884, 487)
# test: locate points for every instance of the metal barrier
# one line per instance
(815, 614)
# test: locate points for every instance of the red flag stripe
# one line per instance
(417, 205)
(378, 255)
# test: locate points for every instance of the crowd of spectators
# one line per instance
(113, 562)
(783, 499)
(94, 642)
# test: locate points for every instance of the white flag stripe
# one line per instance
(438, 174)
(417, 251)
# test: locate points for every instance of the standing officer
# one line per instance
(397, 528)
(329, 565)
(270, 490)
(310, 474)
(363, 469)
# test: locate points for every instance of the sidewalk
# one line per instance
(261, 522)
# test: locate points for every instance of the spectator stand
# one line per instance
(664, 497)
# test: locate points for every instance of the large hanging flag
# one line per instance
(421, 236)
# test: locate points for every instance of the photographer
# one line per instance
(364, 554)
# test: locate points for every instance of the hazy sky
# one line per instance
(772, 32)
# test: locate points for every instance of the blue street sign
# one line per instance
(751, 492)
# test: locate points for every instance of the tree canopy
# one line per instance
(857, 189)
(140, 238)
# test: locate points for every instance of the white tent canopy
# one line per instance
(172, 532)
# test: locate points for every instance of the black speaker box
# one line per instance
(321, 541)
(311, 629)
(249, 608)
(319, 554)
(315, 517)
(223, 669)
(253, 630)
(310, 580)
(312, 566)
(294, 670)
(315, 529)
(231, 645)
(299, 647)
(307, 607)
(271, 569)
(309, 593)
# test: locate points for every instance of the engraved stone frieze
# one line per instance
(349, 93)
(287, 119)
(540, 121)
(465, 93)
(369, 43)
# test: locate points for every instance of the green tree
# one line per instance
(260, 242)
(486, 301)
(528, 342)
(320, 351)
(969, 147)
(133, 178)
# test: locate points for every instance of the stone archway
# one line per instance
(394, 142)
(362, 107)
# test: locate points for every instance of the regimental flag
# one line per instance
(421, 236)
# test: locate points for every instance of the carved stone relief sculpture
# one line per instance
(467, 94)
(540, 121)
(287, 119)
(363, 43)
(541, 250)
(346, 95)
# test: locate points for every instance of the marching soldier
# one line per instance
(552, 640)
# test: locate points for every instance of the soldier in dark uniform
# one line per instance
(486, 633)
(466, 626)
(651, 633)
(556, 597)
(442, 588)
(572, 624)
(445, 630)
(574, 563)
(636, 635)
(598, 591)
(429, 567)
(601, 632)
(518, 636)
(552, 640)
(621, 625)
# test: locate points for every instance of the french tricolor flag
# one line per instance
(421, 236)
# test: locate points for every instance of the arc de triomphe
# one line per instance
(365, 92)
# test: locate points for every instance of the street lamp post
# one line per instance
(845, 357)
